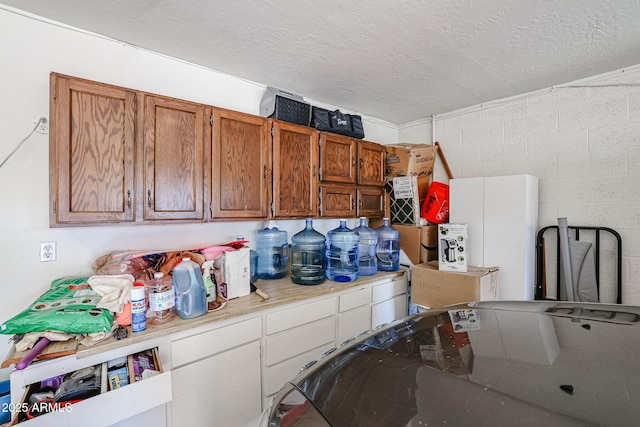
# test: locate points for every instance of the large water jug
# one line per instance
(388, 251)
(272, 246)
(367, 248)
(307, 256)
(342, 254)
(191, 295)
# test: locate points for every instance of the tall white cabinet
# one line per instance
(502, 217)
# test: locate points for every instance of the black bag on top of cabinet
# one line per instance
(280, 105)
(337, 122)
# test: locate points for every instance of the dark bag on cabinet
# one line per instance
(337, 122)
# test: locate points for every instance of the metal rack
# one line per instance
(539, 291)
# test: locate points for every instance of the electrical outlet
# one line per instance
(48, 251)
(43, 124)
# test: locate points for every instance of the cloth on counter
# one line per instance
(94, 338)
(114, 289)
(31, 338)
(124, 318)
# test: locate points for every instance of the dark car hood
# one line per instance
(521, 363)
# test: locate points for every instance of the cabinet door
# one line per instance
(337, 158)
(337, 201)
(174, 159)
(91, 153)
(241, 165)
(370, 163)
(221, 390)
(295, 169)
(371, 202)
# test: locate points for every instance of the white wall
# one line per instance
(583, 143)
(30, 50)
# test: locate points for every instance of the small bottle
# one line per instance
(138, 308)
(342, 253)
(307, 256)
(161, 299)
(367, 248)
(191, 295)
(388, 251)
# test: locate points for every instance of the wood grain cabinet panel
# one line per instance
(337, 201)
(91, 152)
(370, 164)
(173, 159)
(295, 170)
(241, 165)
(337, 158)
(371, 202)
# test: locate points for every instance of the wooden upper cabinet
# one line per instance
(91, 152)
(337, 158)
(370, 163)
(174, 156)
(337, 201)
(371, 202)
(241, 171)
(295, 168)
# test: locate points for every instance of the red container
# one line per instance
(435, 208)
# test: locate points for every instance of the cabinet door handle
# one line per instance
(361, 162)
(149, 201)
(129, 199)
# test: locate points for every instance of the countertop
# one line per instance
(280, 291)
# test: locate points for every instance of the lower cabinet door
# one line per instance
(353, 322)
(221, 390)
(388, 311)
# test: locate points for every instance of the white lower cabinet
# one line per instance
(389, 301)
(216, 376)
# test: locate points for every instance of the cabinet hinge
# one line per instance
(273, 132)
(54, 92)
(273, 209)
(210, 209)
(320, 141)
(54, 207)
(211, 120)
(320, 201)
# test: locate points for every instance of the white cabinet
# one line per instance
(502, 217)
(216, 376)
(354, 313)
(389, 301)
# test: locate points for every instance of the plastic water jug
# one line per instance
(388, 251)
(191, 295)
(307, 256)
(367, 248)
(342, 254)
(273, 252)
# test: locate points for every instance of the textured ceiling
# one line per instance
(397, 60)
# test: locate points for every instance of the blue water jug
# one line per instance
(342, 254)
(307, 256)
(367, 248)
(272, 246)
(191, 295)
(388, 251)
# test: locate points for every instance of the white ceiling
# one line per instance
(397, 60)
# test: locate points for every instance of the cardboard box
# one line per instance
(452, 247)
(409, 159)
(419, 243)
(406, 195)
(432, 287)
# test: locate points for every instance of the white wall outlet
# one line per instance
(43, 124)
(48, 251)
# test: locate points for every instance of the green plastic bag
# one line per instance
(68, 306)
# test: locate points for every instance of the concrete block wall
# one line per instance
(582, 140)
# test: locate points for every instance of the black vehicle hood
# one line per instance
(521, 363)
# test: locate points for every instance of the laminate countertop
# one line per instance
(280, 291)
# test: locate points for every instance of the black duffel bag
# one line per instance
(337, 122)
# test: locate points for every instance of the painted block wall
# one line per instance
(30, 50)
(583, 143)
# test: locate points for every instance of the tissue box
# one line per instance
(235, 275)
(452, 247)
